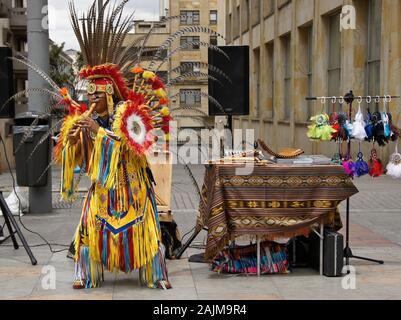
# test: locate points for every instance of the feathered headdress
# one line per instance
(110, 59)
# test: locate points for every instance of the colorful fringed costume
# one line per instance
(119, 228)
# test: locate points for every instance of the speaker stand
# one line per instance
(10, 222)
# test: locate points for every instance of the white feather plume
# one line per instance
(358, 128)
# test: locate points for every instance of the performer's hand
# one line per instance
(89, 124)
(72, 136)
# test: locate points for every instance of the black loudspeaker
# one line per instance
(6, 83)
(233, 96)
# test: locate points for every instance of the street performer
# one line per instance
(119, 228)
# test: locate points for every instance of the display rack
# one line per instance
(349, 98)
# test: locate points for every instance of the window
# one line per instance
(187, 40)
(256, 74)
(213, 16)
(149, 52)
(374, 41)
(282, 3)
(255, 12)
(309, 70)
(268, 7)
(270, 79)
(334, 66)
(189, 17)
(287, 76)
(189, 66)
(190, 97)
(245, 13)
(228, 28)
(213, 40)
(235, 22)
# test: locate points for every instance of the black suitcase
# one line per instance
(333, 253)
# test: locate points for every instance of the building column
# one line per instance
(40, 198)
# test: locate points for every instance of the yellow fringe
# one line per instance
(94, 166)
(145, 235)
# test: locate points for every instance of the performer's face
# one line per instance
(101, 101)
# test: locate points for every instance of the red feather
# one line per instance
(157, 84)
(375, 168)
(134, 108)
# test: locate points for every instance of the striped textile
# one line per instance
(273, 201)
(243, 259)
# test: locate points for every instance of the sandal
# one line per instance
(78, 284)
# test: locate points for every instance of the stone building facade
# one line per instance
(204, 13)
(297, 50)
(13, 34)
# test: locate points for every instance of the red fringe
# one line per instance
(131, 249)
(121, 251)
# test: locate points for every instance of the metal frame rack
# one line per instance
(349, 98)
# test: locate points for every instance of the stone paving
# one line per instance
(375, 224)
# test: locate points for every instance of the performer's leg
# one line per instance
(88, 272)
(154, 274)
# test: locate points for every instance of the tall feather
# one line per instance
(179, 33)
(190, 44)
(199, 65)
(192, 75)
(37, 69)
(49, 133)
(23, 93)
(203, 94)
(147, 36)
(27, 132)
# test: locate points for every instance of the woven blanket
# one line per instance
(274, 201)
(243, 259)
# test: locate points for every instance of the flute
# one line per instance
(85, 114)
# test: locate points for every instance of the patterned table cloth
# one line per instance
(273, 201)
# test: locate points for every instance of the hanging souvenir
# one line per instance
(394, 166)
(320, 129)
(361, 167)
(348, 164)
(379, 134)
(370, 127)
(337, 156)
(385, 121)
(395, 132)
(375, 165)
(345, 132)
(349, 167)
(333, 120)
(358, 128)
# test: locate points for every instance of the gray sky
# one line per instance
(59, 22)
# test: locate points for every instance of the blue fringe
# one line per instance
(108, 158)
(126, 252)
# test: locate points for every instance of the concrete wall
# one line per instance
(291, 18)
